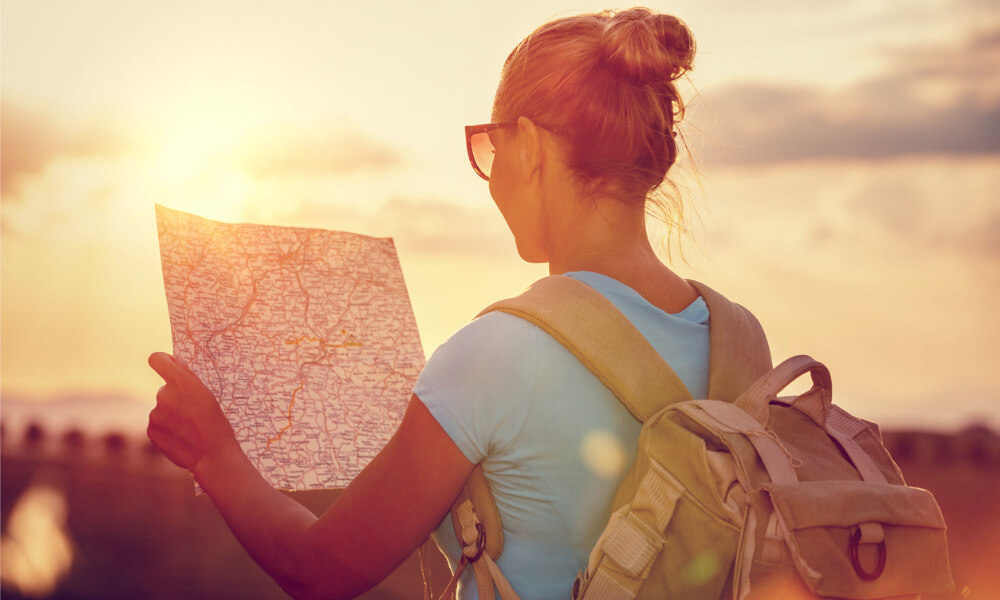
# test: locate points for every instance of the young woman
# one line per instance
(582, 134)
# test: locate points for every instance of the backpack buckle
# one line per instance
(853, 547)
(577, 584)
(480, 545)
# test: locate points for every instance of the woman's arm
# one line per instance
(376, 522)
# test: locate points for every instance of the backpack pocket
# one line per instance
(858, 539)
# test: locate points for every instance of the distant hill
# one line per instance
(91, 413)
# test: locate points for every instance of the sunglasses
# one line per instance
(481, 148)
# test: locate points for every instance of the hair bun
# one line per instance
(647, 47)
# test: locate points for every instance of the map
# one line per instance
(306, 336)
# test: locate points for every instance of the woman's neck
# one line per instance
(629, 259)
(607, 237)
(612, 240)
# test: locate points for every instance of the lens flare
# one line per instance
(36, 548)
(603, 453)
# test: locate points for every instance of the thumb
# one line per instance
(164, 365)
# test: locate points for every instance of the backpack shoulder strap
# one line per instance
(738, 352)
(606, 342)
(602, 338)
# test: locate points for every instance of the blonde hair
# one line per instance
(605, 82)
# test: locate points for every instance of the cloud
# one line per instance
(447, 228)
(425, 226)
(30, 139)
(317, 150)
(984, 239)
(904, 209)
(87, 179)
(933, 206)
(896, 205)
(930, 100)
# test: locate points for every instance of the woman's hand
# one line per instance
(187, 424)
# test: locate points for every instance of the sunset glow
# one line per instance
(838, 174)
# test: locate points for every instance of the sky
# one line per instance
(842, 180)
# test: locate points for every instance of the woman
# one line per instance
(583, 134)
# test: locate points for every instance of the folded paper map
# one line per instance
(305, 336)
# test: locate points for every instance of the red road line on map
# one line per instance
(300, 339)
(286, 427)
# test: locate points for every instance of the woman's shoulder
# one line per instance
(495, 350)
(480, 381)
(493, 332)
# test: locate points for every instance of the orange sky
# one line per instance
(847, 174)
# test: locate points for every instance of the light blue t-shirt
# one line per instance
(553, 441)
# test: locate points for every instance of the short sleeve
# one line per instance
(479, 383)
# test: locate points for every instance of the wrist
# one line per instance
(226, 461)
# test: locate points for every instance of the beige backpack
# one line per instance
(742, 493)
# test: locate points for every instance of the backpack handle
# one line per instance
(815, 402)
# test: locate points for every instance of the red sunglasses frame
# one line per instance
(471, 130)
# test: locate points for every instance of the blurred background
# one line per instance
(842, 183)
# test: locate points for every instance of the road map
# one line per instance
(306, 337)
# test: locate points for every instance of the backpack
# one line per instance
(741, 493)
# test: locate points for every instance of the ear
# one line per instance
(531, 148)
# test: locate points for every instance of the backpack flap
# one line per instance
(859, 539)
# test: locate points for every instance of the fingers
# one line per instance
(169, 395)
(164, 424)
(159, 423)
(174, 448)
(169, 407)
(156, 418)
(154, 431)
(168, 400)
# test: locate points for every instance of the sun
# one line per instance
(194, 159)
